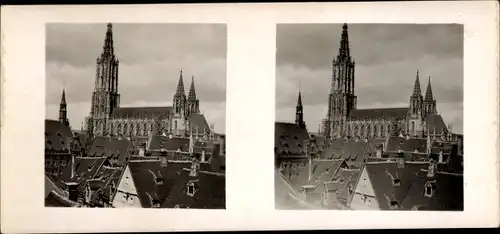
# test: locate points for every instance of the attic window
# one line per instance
(286, 145)
(62, 142)
(49, 142)
(159, 180)
(191, 189)
(396, 182)
(299, 145)
(430, 188)
(59, 134)
(295, 137)
(46, 134)
(393, 204)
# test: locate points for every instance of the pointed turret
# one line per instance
(192, 90)
(299, 114)
(180, 85)
(63, 114)
(428, 93)
(429, 101)
(416, 88)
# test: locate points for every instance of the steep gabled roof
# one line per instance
(436, 122)
(448, 195)
(381, 175)
(198, 123)
(340, 183)
(145, 174)
(109, 147)
(210, 191)
(57, 136)
(170, 144)
(286, 197)
(84, 169)
(321, 172)
(395, 143)
(289, 138)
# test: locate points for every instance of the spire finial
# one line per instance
(180, 85)
(192, 90)
(108, 48)
(63, 97)
(416, 88)
(344, 51)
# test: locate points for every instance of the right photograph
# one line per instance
(369, 117)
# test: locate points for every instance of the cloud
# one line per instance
(150, 55)
(387, 58)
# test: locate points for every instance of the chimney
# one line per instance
(72, 166)
(72, 189)
(431, 169)
(310, 168)
(440, 155)
(401, 159)
(379, 150)
(366, 139)
(195, 166)
(203, 155)
(164, 161)
(170, 136)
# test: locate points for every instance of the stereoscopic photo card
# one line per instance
(212, 117)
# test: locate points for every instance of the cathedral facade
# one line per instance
(345, 120)
(107, 118)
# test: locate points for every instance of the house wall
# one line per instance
(364, 196)
(126, 194)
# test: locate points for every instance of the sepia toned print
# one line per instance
(143, 141)
(355, 129)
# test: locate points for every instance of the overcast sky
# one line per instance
(150, 55)
(387, 57)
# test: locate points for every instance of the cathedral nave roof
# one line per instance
(140, 112)
(382, 113)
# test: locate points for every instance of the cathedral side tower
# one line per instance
(193, 104)
(179, 109)
(415, 112)
(429, 106)
(105, 97)
(342, 98)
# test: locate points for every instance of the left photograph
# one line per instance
(135, 115)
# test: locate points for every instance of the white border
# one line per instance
(249, 117)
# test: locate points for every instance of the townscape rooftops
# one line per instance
(340, 183)
(289, 138)
(321, 172)
(390, 182)
(84, 169)
(154, 182)
(382, 113)
(209, 191)
(109, 147)
(57, 136)
(141, 112)
(170, 144)
(448, 194)
(395, 143)
(286, 196)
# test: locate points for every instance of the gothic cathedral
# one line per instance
(345, 120)
(107, 118)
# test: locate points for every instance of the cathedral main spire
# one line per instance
(344, 50)
(108, 47)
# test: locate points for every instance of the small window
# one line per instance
(126, 180)
(49, 142)
(295, 137)
(429, 189)
(286, 145)
(396, 182)
(190, 189)
(59, 134)
(393, 204)
(159, 180)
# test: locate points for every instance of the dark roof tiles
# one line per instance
(383, 113)
(290, 139)
(141, 112)
(57, 136)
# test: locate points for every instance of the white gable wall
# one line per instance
(364, 196)
(126, 194)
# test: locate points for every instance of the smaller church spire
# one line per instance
(299, 112)
(416, 88)
(63, 97)
(192, 90)
(428, 93)
(180, 85)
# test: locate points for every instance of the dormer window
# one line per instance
(286, 145)
(393, 204)
(396, 182)
(295, 137)
(191, 188)
(430, 188)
